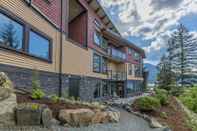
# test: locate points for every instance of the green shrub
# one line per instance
(37, 94)
(189, 98)
(163, 115)
(176, 91)
(147, 103)
(162, 96)
(55, 98)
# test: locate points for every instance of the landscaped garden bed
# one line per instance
(166, 111)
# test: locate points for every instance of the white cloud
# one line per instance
(149, 19)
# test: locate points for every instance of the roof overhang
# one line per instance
(98, 9)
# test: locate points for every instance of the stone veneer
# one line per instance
(22, 78)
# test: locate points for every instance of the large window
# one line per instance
(11, 33)
(96, 63)
(19, 36)
(99, 64)
(99, 40)
(39, 45)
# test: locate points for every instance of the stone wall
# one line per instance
(22, 79)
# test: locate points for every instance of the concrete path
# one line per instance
(128, 122)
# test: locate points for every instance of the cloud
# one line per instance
(149, 19)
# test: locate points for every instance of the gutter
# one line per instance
(61, 42)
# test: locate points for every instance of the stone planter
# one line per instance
(27, 114)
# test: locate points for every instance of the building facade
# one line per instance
(72, 44)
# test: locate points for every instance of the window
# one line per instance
(137, 71)
(98, 91)
(130, 69)
(97, 38)
(99, 64)
(11, 33)
(18, 35)
(96, 63)
(38, 45)
(104, 65)
(129, 51)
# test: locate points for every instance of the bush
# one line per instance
(162, 96)
(189, 98)
(37, 94)
(55, 98)
(147, 103)
(176, 91)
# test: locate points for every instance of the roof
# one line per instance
(112, 30)
(123, 41)
(96, 6)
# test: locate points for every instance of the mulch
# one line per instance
(176, 118)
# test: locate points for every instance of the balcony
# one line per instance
(116, 76)
(116, 54)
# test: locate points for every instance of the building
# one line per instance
(72, 44)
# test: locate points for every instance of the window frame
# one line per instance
(100, 62)
(25, 42)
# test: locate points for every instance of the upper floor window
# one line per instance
(11, 33)
(138, 72)
(130, 69)
(97, 38)
(129, 51)
(39, 45)
(99, 64)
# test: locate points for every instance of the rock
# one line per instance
(154, 123)
(7, 107)
(114, 116)
(54, 122)
(28, 114)
(100, 117)
(47, 117)
(5, 81)
(78, 117)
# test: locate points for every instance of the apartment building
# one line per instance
(73, 45)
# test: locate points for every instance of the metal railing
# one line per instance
(118, 76)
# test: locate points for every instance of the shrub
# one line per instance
(189, 98)
(162, 96)
(55, 98)
(147, 103)
(176, 91)
(37, 94)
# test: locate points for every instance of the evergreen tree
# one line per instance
(166, 78)
(182, 54)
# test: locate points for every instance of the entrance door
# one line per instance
(74, 87)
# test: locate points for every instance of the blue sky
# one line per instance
(149, 23)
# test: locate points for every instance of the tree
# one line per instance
(166, 78)
(8, 36)
(182, 54)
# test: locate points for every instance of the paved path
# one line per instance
(128, 122)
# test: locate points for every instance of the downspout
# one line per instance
(61, 42)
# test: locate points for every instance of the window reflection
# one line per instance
(38, 45)
(11, 33)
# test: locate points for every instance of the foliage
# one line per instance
(147, 103)
(176, 91)
(189, 98)
(55, 98)
(37, 92)
(34, 106)
(162, 96)
(165, 77)
(163, 115)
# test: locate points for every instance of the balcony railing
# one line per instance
(118, 76)
(117, 54)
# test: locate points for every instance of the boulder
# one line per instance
(100, 117)
(7, 106)
(7, 101)
(47, 117)
(78, 117)
(154, 123)
(114, 116)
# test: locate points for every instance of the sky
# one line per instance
(149, 23)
